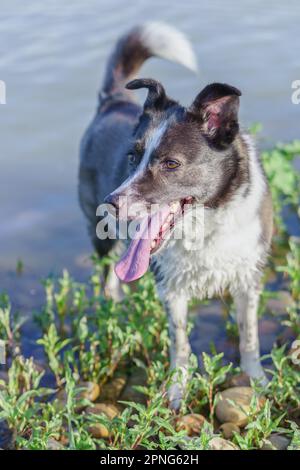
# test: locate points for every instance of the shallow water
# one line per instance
(52, 57)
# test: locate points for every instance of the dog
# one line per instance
(189, 162)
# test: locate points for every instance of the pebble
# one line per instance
(7, 436)
(218, 443)
(294, 354)
(235, 413)
(108, 409)
(191, 423)
(138, 377)
(91, 391)
(112, 390)
(60, 399)
(293, 414)
(276, 442)
(98, 430)
(228, 430)
(238, 380)
(3, 378)
(53, 444)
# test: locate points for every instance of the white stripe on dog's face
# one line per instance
(152, 143)
(125, 191)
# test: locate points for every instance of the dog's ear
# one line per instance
(216, 108)
(157, 100)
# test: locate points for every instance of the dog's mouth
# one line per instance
(153, 231)
(177, 210)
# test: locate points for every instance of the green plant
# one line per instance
(292, 270)
(284, 180)
(10, 326)
(53, 345)
(17, 397)
(87, 337)
(261, 425)
(203, 387)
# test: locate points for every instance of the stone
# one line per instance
(228, 430)
(238, 380)
(53, 444)
(108, 409)
(191, 423)
(235, 413)
(3, 379)
(276, 442)
(112, 390)
(138, 377)
(91, 391)
(99, 430)
(218, 443)
(294, 354)
(64, 440)
(61, 399)
(293, 414)
(7, 436)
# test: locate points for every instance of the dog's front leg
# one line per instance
(177, 309)
(247, 306)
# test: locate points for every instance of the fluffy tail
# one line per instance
(139, 44)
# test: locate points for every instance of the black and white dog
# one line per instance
(187, 161)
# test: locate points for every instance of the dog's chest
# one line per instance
(226, 256)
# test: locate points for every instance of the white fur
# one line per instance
(151, 144)
(167, 42)
(230, 253)
(247, 305)
(228, 257)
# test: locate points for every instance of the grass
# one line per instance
(89, 339)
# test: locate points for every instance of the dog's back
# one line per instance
(105, 144)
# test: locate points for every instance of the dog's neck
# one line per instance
(238, 179)
(244, 193)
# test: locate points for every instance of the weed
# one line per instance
(86, 337)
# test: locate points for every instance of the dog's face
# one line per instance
(180, 153)
(179, 156)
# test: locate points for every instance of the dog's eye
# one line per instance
(171, 164)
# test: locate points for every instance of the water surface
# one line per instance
(52, 58)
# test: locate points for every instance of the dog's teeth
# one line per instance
(153, 244)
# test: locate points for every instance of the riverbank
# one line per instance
(99, 371)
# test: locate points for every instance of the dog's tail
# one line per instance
(139, 44)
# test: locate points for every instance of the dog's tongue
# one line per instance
(135, 261)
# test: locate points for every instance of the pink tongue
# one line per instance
(135, 261)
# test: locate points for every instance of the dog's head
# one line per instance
(179, 156)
